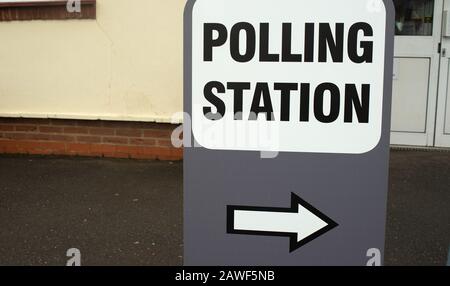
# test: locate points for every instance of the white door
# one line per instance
(443, 105)
(416, 71)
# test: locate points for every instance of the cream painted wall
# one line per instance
(126, 65)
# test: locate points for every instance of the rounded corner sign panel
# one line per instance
(289, 75)
(286, 133)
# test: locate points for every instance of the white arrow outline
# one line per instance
(301, 222)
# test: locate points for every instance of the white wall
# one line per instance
(126, 65)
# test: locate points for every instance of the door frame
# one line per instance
(423, 47)
(442, 139)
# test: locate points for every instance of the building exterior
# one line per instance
(420, 114)
(107, 80)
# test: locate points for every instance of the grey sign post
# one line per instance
(287, 120)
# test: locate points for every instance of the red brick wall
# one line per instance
(115, 139)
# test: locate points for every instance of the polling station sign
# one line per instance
(310, 75)
(310, 82)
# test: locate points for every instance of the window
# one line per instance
(414, 17)
(19, 10)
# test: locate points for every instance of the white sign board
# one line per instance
(299, 78)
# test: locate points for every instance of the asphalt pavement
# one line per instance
(128, 212)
